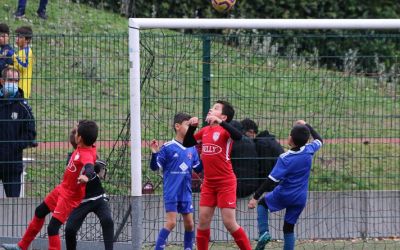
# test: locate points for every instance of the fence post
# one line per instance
(206, 75)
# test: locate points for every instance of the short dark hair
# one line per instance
(227, 109)
(300, 135)
(4, 29)
(248, 124)
(3, 73)
(179, 118)
(88, 130)
(24, 31)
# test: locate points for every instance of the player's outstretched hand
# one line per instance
(252, 203)
(154, 147)
(83, 179)
(194, 121)
(211, 119)
(300, 122)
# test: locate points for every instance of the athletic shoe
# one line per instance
(42, 15)
(10, 247)
(263, 240)
(19, 15)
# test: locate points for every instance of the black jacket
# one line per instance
(17, 129)
(245, 165)
(268, 150)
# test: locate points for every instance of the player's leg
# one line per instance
(288, 236)
(74, 223)
(291, 215)
(208, 202)
(33, 228)
(237, 232)
(171, 212)
(227, 203)
(262, 222)
(61, 212)
(103, 212)
(186, 209)
(52, 230)
(203, 228)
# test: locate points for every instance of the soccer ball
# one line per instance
(223, 5)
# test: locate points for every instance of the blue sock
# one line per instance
(188, 240)
(288, 241)
(262, 219)
(162, 239)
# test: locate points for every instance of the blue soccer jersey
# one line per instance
(292, 171)
(176, 163)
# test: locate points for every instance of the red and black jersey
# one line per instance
(69, 186)
(216, 146)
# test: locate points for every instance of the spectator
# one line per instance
(6, 51)
(17, 128)
(268, 151)
(245, 164)
(41, 11)
(23, 59)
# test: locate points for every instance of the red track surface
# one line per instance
(109, 144)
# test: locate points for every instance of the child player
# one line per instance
(219, 185)
(287, 183)
(69, 194)
(176, 162)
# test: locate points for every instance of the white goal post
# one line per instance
(135, 24)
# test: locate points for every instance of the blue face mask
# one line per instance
(10, 89)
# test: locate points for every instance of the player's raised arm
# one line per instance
(189, 140)
(236, 135)
(154, 147)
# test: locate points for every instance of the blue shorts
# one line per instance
(293, 211)
(182, 207)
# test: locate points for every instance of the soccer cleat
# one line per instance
(42, 15)
(263, 240)
(10, 247)
(19, 15)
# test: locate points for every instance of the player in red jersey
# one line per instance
(69, 194)
(219, 186)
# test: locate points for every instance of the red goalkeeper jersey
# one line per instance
(216, 146)
(69, 187)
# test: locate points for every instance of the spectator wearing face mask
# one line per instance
(17, 131)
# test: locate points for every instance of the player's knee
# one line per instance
(170, 225)
(189, 225)
(54, 226)
(288, 228)
(262, 202)
(42, 210)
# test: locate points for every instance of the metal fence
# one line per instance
(352, 99)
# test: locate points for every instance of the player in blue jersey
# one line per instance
(176, 163)
(287, 184)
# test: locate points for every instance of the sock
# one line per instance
(262, 220)
(241, 239)
(33, 229)
(202, 239)
(288, 241)
(54, 242)
(188, 240)
(162, 239)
